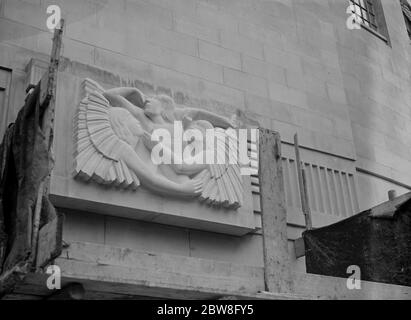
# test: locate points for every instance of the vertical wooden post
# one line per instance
(47, 101)
(274, 215)
(302, 182)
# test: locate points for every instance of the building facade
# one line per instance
(291, 66)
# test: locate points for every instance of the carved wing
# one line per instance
(97, 147)
(222, 183)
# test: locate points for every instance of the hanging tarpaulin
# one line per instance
(30, 228)
(25, 163)
(378, 241)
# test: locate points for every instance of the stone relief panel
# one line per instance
(117, 133)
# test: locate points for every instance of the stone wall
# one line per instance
(291, 65)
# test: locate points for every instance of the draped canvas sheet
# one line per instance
(24, 163)
(380, 247)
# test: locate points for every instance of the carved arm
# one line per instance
(119, 101)
(133, 95)
(198, 114)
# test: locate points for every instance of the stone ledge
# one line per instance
(118, 273)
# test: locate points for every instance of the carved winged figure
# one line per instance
(112, 135)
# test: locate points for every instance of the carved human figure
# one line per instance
(113, 141)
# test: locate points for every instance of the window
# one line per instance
(365, 12)
(371, 16)
(406, 10)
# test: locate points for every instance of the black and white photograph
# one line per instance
(205, 158)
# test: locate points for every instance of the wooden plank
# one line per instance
(18, 296)
(44, 90)
(306, 207)
(299, 248)
(50, 241)
(164, 263)
(102, 268)
(47, 102)
(324, 287)
(294, 184)
(306, 286)
(113, 280)
(94, 295)
(49, 80)
(302, 182)
(103, 280)
(73, 291)
(88, 295)
(387, 209)
(287, 184)
(106, 289)
(10, 278)
(274, 215)
(35, 71)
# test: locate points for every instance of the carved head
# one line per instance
(160, 105)
(152, 107)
